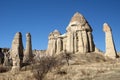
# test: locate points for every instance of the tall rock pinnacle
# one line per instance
(110, 47)
(28, 52)
(17, 52)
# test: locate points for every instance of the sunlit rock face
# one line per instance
(77, 39)
(54, 43)
(17, 52)
(28, 55)
(110, 47)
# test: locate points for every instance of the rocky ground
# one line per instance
(91, 66)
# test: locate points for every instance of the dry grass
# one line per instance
(44, 66)
(68, 66)
(85, 67)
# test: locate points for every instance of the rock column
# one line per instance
(85, 41)
(59, 45)
(54, 46)
(17, 52)
(50, 44)
(80, 42)
(28, 52)
(91, 44)
(75, 42)
(70, 43)
(110, 47)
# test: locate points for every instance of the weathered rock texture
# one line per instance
(6, 57)
(110, 47)
(54, 43)
(17, 52)
(28, 52)
(77, 39)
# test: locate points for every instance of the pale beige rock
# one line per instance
(53, 43)
(28, 51)
(59, 45)
(77, 39)
(17, 52)
(91, 43)
(75, 42)
(77, 17)
(69, 45)
(110, 47)
(80, 42)
(64, 42)
(85, 41)
(80, 26)
(54, 47)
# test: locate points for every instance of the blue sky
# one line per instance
(40, 17)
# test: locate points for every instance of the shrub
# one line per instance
(45, 65)
(3, 69)
(62, 72)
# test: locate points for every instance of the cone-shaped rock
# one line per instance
(28, 52)
(78, 22)
(110, 47)
(79, 35)
(17, 52)
(77, 17)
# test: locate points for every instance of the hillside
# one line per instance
(66, 66)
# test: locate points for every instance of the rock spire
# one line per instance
(110, 47)
(28, 51)
(17, 52)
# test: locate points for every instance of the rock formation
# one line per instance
(6, 57)
(82, 41)
(54, 43)
(17, 52)
(110, 47)
(28, 52)
(77, 39)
